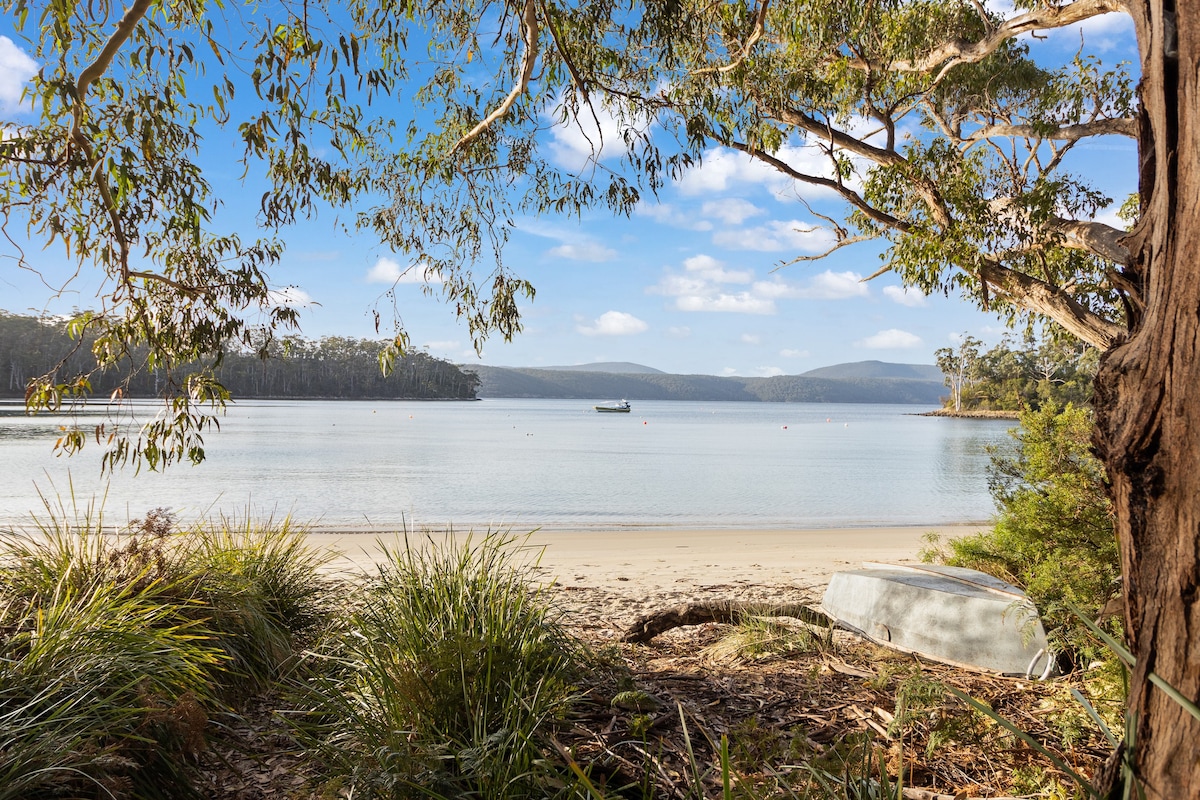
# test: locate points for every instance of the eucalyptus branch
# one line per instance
(882, 156)
(760, 24)
(848, 194)
(529, 25)
(1119, 126)
(845, 242)
(1052, 301)
(90, 74)
(962, 51)
(1097, 238)
(190, 291)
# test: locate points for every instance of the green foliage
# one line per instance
(448, 678)
(1053, 368)
(116, 649)
(1054, 533)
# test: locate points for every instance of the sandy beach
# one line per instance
(611, 577)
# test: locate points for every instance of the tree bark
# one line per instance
(1148, 407)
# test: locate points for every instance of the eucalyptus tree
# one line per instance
(932, 120)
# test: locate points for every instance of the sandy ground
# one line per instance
(610, 577)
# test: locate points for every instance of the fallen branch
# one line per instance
(648, 626)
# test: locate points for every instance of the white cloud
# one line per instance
(891, 339)
(574, 244)
(710, 269)
(613, 323)
(679, 332)
(827, 285)
(830, 285)
(794, 353)
(731, 210)
(722, 169)
(739, 303)
(292, 296)
(775, 236)
(16, 68)
(750, 338)
(905, 296)
(592, 135)
(584, 251)
(667, 214)
(769, 372)
(388, 271)
(703, 286)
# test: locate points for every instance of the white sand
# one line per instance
(618, 574)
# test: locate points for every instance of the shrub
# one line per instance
(451, 674)
(1054, 534)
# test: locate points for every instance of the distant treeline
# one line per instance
(562, 384)
(331, 367)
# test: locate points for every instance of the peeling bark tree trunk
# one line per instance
(1148, 405)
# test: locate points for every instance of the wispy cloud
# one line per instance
(905, 296)
(583, 251)
(386, 270)
(731, 210)
(775, 236)
(788, 353)
(613, 323)
(574, 244)
(891, 339)
(668, 214)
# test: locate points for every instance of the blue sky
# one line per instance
(690, 284)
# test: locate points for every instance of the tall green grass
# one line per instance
(451, 674)
(115, 649)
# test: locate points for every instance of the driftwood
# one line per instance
(648, 626)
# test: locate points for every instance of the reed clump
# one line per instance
(117, 649)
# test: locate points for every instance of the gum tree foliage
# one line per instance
(1042, 368)
(1053, 534)
(947, 142)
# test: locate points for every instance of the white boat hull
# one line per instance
(949, 614)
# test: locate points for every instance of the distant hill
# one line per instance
(877, 369)
(613, 367)
(655, 385)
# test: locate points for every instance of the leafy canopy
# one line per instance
(929, 119)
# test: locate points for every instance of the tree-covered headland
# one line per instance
(333, 367)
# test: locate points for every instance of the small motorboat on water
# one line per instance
(950, 614)
(622, 407)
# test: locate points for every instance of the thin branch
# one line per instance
(962, 51)
(760, 25)
(851, 196)
(529, 25)
(846, 242)
(882, 156)
(125, 29)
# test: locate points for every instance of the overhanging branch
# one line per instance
(529, 32)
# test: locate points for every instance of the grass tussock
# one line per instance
(449, 677)
(118, 648)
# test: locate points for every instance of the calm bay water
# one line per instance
(550, 463)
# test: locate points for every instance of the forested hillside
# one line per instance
(521, 382)
(332, 367)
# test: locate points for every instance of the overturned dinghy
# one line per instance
(950, 614)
